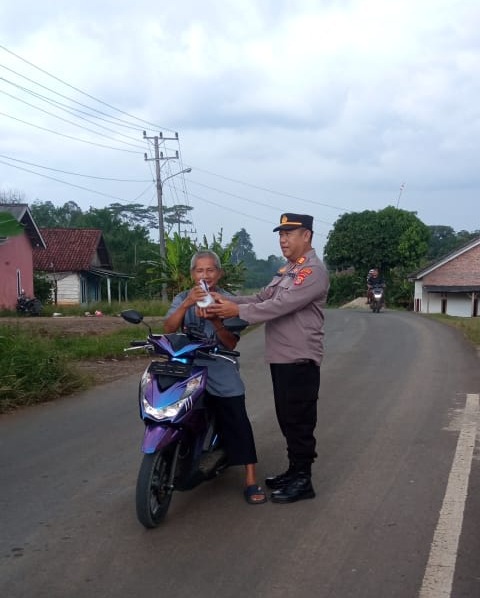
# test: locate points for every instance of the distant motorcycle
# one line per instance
(28, 306)
(377, 298)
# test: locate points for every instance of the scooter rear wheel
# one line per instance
(153, 494)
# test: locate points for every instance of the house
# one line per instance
(16, 259)
(77, 262)
(451, 285)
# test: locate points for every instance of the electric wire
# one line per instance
(118, 121)
(87, 176)
(121, 122)
(67, 183)
(64, 108)
(119, 149)
(80, 91)
(69, 121)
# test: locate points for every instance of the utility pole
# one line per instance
(159, 184)
(161, 226)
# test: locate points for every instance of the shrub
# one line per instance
(30, 372)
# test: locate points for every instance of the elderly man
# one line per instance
(292, 306)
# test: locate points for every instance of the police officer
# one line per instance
(292, 307)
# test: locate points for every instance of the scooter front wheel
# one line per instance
(153, 493)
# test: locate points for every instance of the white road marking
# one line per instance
(438, 578)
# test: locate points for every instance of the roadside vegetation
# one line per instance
(469, 326)
(39, 363)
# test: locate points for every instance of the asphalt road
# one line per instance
(397, 477)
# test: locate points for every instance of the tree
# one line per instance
(387, 239)
(47, 215)
(176, 216)
(242, 248)
(135, 213)
(443, 240)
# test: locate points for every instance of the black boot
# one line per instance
(299, 487)
(282, 479)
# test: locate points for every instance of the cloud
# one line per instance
(331, 105)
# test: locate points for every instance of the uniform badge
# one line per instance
(302, 275)
(301, 260)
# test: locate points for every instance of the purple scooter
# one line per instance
(181, 445)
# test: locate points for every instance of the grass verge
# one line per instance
(469, 326)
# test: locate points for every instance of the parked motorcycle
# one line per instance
(377, 298)
(28, 306)
(181, 445)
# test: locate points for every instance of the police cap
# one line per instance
(289, 221)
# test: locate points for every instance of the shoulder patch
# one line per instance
(302, 275)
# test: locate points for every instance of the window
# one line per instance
(19, 283)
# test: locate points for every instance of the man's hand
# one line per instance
(222, 308)
(195, 294)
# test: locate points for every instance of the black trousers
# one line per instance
(234, 428)
(295, 390)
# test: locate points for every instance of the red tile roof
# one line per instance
(70, 250)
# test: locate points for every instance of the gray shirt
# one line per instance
(223, 376)
(292, 306)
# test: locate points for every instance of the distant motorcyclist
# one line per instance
(374, 279)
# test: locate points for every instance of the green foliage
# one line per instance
(126, 230)
(443, 240)
(42, 289)
(146, 307)
(46, 215)
(260, 272)
(469, 326)
(389, 238)
(175, 217)
(345, 287)
(9, 226)
(176, 270)
(233, 273)
(242, 248)
(31, 372)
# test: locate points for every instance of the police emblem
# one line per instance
(302, 275)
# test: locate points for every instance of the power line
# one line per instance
(259, 203)
(87, 176)
(254, 217)
(45, 176)
(80, 91)
(64, 107)
(69, 121)
(117, 121)
(318, 203)
(118, 149)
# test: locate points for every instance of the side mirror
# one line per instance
(235, 324)
(132, 316)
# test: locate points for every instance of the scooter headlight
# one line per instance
(171, 411)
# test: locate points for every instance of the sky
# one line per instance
(317, 107)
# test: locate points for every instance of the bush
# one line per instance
(30, 372)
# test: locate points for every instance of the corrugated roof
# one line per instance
(71, 250)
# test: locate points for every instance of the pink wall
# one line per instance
(15, 254)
